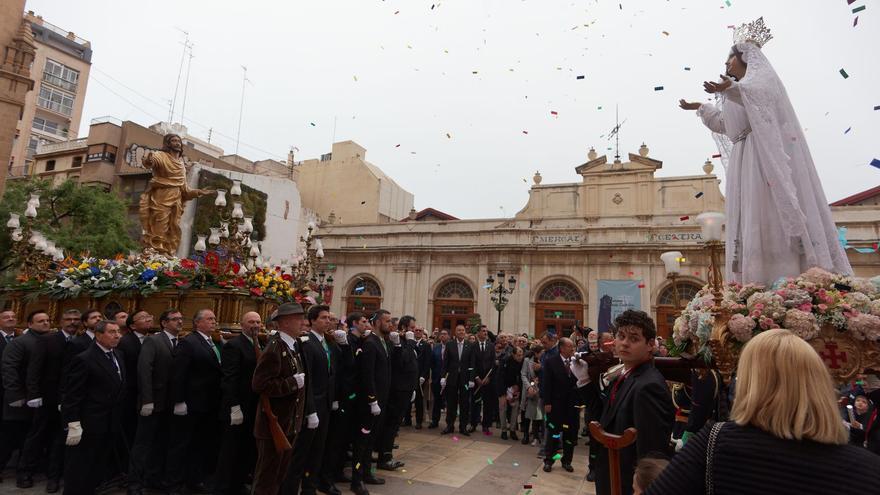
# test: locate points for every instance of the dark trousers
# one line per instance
(84, 463)
(338, 439)
(437, 403)
(193, 449)
(485, 401)
(38, 445)
(308, 453)
(561, 437)
(129, 425)
(271, 468)
(398, 405)
(364, 440)
(146, 461)
(12, 435)
(236, 458)
(419, 404)
(457, 400)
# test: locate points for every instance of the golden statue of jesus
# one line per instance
(161, 205)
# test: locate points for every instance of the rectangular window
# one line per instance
(50, 165)
(55, 100)
(60, 75)
(44, 125)
(77, 162)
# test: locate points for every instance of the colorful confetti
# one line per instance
(686, 217)
(858, 9)
(687, 68)
(699, 195)
(658, 88)
(489, 460)
(312, 124)
(557, 457)
(454, 438)
(717, 155)
(844, 74)
(875, 163)
(525, 132)
(847, 130)
(877, 107)
(580, 77)
(856, 21)
(554, 113)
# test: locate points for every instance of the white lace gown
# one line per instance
(757, 249)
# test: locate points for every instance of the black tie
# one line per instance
(112, 359)
(174, 343)
(9, 337)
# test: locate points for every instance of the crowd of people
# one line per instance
(287, 405)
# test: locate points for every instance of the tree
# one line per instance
(80, 219)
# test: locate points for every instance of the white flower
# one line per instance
(66, 283)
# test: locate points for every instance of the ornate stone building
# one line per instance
(610, 227)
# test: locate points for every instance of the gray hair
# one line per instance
(199, 315)
(101, 326)
(72, 312)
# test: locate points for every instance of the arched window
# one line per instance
(366, 287)
(455, 289)
(365, 296)
(560, 291)
(686, 292)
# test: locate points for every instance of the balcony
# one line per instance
(60, 83)
(73, 144)
(54, 106)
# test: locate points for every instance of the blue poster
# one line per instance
(615, 297)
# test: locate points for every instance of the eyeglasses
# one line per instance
(176, 318)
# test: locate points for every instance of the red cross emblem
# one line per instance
(831, 356)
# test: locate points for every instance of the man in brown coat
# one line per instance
(280, 374)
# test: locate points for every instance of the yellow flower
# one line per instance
(102, 263)
(70, 270)
(83, 266)
(155, 265)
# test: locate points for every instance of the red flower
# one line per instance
(257, 291)
(235, 267)
(288, 277)
(188, 264)
(181, 283)
(222, 283)
(238, 282)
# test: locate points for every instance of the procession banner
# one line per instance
(615, 297)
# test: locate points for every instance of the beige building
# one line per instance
(568, 240)
(53, 110)
(342, 187)
(16, 81)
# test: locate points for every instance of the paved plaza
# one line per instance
(451, 464)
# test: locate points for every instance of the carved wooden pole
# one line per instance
(613, 443)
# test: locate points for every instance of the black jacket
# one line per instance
(155, 371)
(94, 392)
(405, 367)
(459, 370)
(425, 355)
(484, 360)
(347, 376)
(21, 366)
(320, 375)
(196, 375)
(238, 361)
(75, 346)
(643, 401)
(560, 391)
(51, 374)
(130, 345)
(375, 370)
(748, 460)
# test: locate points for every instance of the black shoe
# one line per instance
(52, 486)
(359, 489)
(591, 476)
(447, 430)
(390, 465)
(418, 426)
(431, 426)
(504, 435)
(464, 432)
(471, 428)
(370, 479)
(341, 478)
(568, 468)
(513, 436)
(329, 489)
(525, 439)
(200, 487)
(548, 467)
(24, 482)
(406, 423)
(585, 432)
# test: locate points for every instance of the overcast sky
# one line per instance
(485, 72)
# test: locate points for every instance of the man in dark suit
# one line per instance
(485, 398)
(280, 376)
(22, 367)
(195, 390)
(238, 406)
(342, 419)
(438, 358)
(154, 368)
(319, 359)
(457, 380)
(138, 325)
(424, 355)
(560, 396)
(92, 409)
(638, 398)
(404, 381)
(375, 386)
(11, 436)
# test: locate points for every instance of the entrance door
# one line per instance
(666, 316)
(365, 296)
(450, 313)
(559, 307)
(666, 312)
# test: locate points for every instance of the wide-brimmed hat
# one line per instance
(287, 309)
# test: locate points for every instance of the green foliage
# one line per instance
(253, 202)
(78, 218)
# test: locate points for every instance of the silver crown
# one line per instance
(754, 32)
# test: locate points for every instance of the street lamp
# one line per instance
(499, 293)
(672, 262)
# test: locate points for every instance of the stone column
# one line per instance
(18, 50)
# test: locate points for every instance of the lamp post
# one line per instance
(672, 261)
(499, 293)
(35, 252)
(711, 224)
(233, 236)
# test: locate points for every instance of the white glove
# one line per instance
(34, 403)
(300, 379)
(375, 410)
(236, 417)
(180, 409)
(470, 385)
(74, 433)
(421, 381)
(340, 337)
(334, 406)
(409, 335)
(18, 403)
(413, 398)
(147, 409)
(443, 382)
(312, 421)
(579, 368)
(510, 393)
(367, 332)
(394, 337)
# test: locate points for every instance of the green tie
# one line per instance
(327, 352)
(216, 351)
(384, 346)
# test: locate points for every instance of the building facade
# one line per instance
(16, 82)
(53, 110)
(564, 249)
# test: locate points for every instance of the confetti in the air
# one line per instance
(718, 155)
(875, 163)
(699, 195)
(847, 130)
(557, 457)
(687, 68)
(858, 9)
(877, 107)
(525, 132)
(658, 88)
(686, 217)
(312, 124)
(580, 77)
(554, 113)
(844, 74)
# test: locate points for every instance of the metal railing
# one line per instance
(54, 106)
(61, 83)
(73, 144)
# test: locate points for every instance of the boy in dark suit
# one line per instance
(638, 398)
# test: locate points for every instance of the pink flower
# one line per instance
(822, 307)
(806, 307)
(864, 326)
(741, 327)
(801, 323)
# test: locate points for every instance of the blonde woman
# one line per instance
(786, 435)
